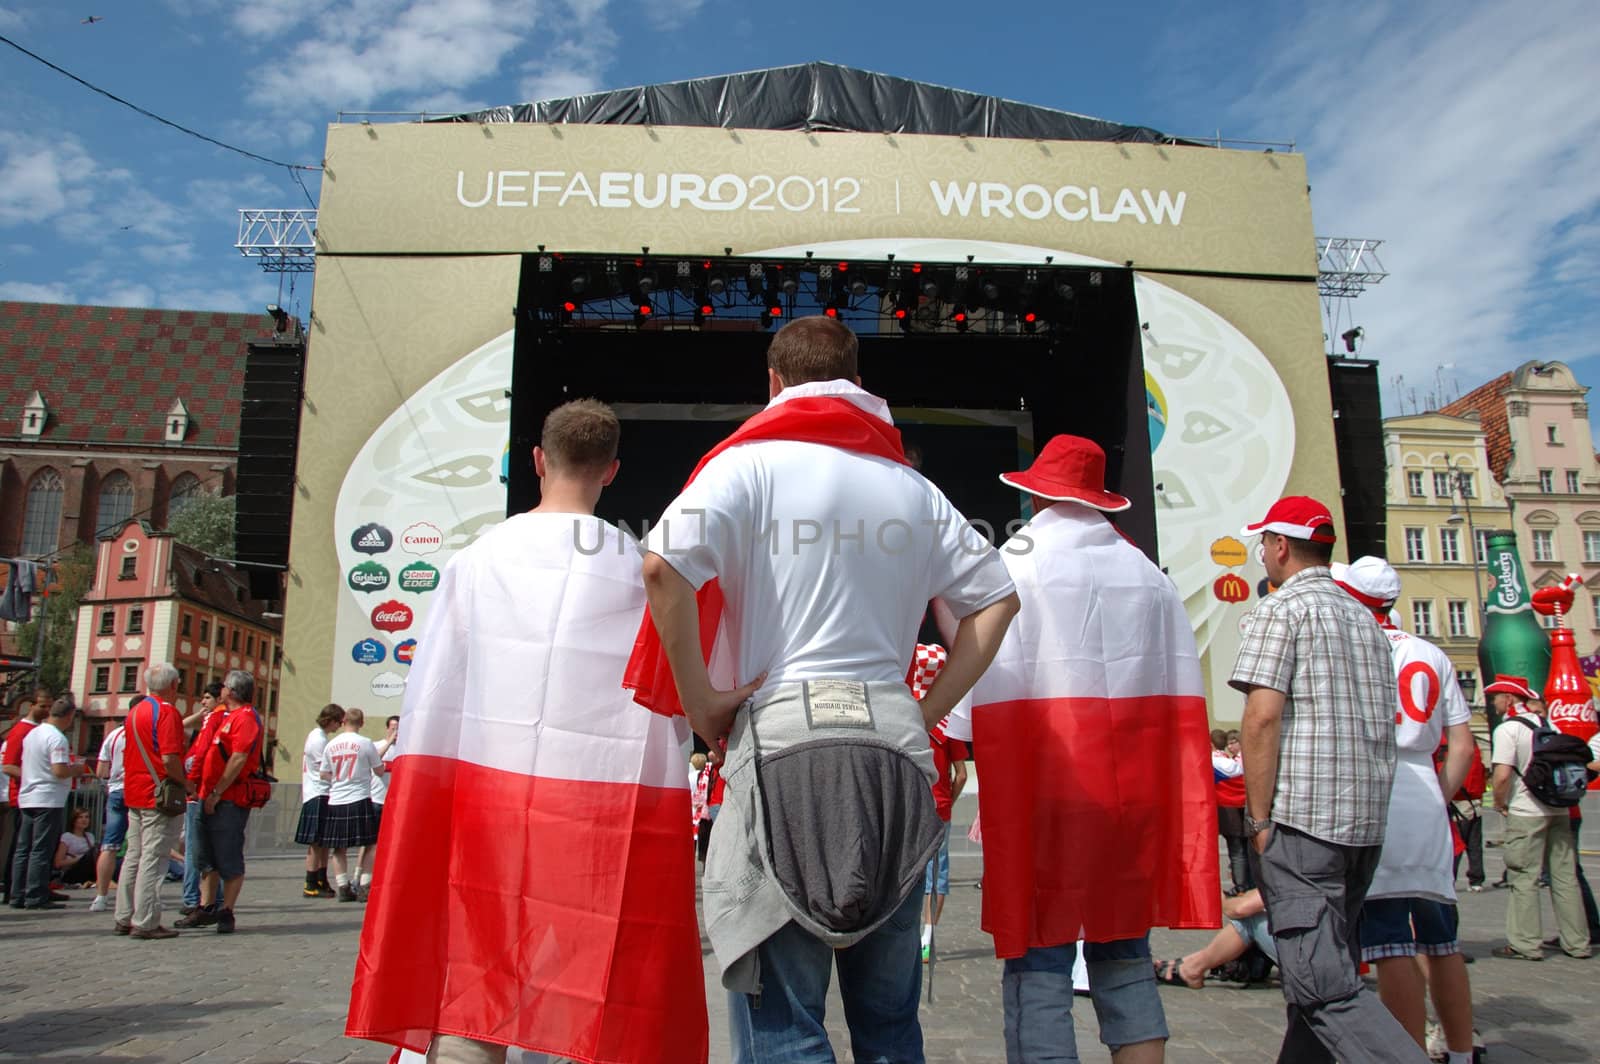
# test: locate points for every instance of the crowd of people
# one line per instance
(564, 665)
(176, 807)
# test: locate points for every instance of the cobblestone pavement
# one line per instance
(276, 991)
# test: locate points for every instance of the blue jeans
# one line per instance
(880, 979)
(192, 846)
(937, 878)
(1038, 1000)
(116, 831)
(31, 866)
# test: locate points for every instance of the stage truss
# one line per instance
(281, 241)
(587, 291)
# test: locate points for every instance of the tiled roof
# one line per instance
(1488, 402)
(109, 374)
(202, 579)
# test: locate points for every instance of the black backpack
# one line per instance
(1558, 773)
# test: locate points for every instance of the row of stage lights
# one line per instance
(918, 297)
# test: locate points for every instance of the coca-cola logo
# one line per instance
(392, 616)
(1509, 585)
(1572, 712)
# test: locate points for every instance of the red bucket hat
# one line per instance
(1295, 516)
(1510, 685)
(1069, 469)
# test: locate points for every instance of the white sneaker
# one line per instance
(99, 904)
(1476, 888)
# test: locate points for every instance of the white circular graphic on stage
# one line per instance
(1221, 419)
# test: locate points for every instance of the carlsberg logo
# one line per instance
(1510, 587)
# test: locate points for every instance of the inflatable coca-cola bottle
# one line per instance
(1568, 699)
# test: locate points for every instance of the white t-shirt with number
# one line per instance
(312, 785)
(111, 753)
(349, 760)
(1418, 853)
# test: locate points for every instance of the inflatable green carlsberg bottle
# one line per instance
(1513, 641)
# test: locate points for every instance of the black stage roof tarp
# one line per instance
(821, 97)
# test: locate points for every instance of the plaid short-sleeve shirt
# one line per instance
(1323, 650)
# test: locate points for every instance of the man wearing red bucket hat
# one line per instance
(1094, 718)
(1319, 687)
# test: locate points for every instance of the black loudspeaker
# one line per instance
(269, 430)
(1358, 439)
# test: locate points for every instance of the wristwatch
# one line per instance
(1254, 827)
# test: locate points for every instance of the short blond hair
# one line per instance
(580, 436)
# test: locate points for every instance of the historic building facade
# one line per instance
(1442, 501)
(1540, 448)
(154, 599)
(112, 413)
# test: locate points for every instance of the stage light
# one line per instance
(1030, 322)
(960, 318)
(832, 312)
(647, 284)
(991, 292)
(930, 288)
(641, 312)
(569, 306)
(900, 313)
(858, 287)
(1350, 336)
(578, 282)
(790, 286)
(717, 285)
(702, 312)
(775, 311)
(1065, 290)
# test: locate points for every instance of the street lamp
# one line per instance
(1460, 485)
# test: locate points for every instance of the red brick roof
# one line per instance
(109, 374)
(1488, 403)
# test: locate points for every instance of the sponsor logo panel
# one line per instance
(405, 651)
(388, 685)
(421, 538)
(392, 616)
(368, 576)
(368, 652)
(419, 578)
(371, 539)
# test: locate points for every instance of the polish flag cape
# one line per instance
(534, 883)
(825, 419)
(1090, 728)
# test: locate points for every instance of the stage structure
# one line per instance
(1013, 272)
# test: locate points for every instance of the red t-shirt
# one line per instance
(12, 754)
(196, 756)
(946, 751)
(159, 738)
(238, 732)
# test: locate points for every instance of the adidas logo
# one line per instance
(371, 539)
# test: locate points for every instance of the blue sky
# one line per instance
(1466, 135)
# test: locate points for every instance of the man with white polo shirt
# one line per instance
(109, 768)
(349, 763)
(811, 544)
(1410, 907)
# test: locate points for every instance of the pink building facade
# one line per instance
(154, 599)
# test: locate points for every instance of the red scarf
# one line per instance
(826, 419)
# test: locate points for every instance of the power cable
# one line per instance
(291, 167)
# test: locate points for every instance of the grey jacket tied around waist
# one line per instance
(827, 818)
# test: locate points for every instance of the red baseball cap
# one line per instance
(1295, 516)
(1510, 685)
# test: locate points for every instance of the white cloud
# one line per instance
(1468, 138)
(668, 17)
(575, 65)
(11, 20)
(28, 292)
(362, 51)
(125, 295)
(41, 176)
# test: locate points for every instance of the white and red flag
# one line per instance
(1092, 742)
(534, 884)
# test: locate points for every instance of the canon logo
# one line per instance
(421, 538)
